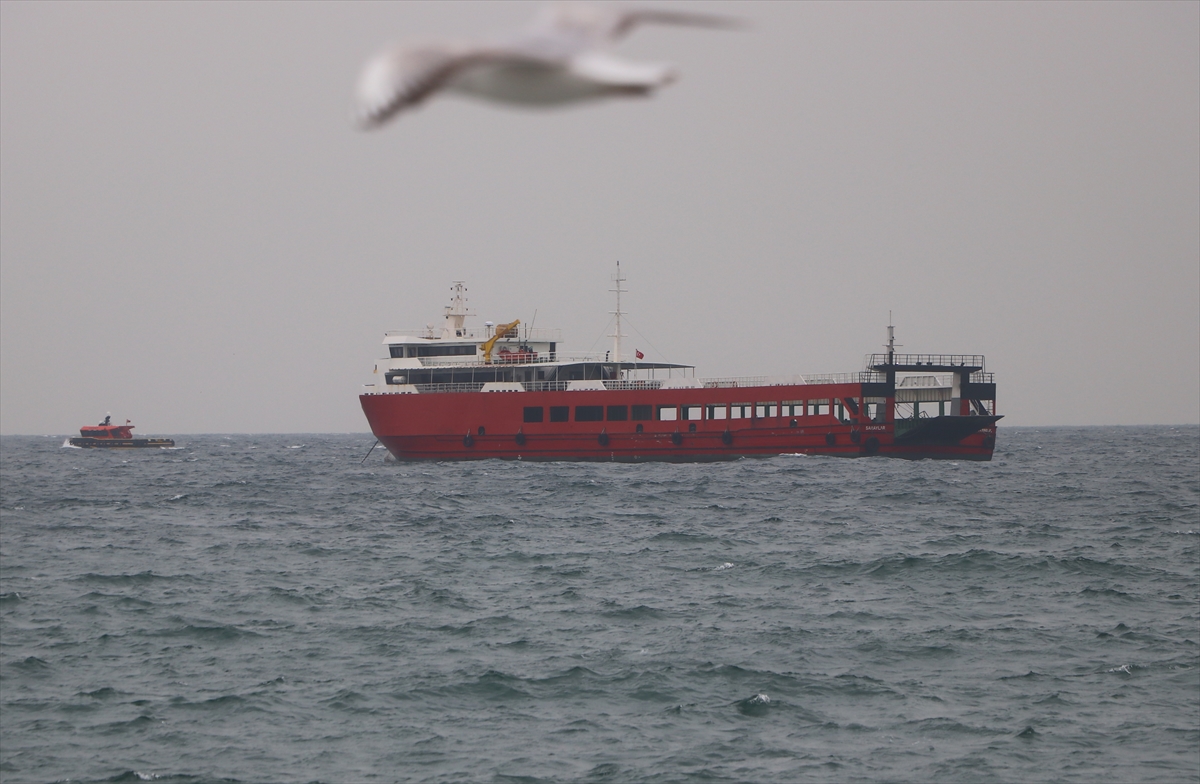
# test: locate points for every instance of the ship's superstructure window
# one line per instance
(533, 413)
(818, 407)
(618, 413)
(739, 410)
(446, 351)
(642, 413)
(589, 413)
(876, 408)
(845, 407)
(668, 413)
(692, 412)
(766, 409)
(402, 352)
(793, 408)
(560, 413)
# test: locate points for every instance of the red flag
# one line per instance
(639, 354)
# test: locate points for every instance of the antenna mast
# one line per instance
(891, 344)
(456, 312)
(616, 336)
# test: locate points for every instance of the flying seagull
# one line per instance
(558, 58)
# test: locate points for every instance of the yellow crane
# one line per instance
(504, 330)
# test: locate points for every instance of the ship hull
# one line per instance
(478, 426)
(122, 443)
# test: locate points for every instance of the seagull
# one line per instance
(557, 59)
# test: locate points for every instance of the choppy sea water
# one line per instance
(266, 609)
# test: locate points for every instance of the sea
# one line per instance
(295, 608)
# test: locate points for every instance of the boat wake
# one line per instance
(66, 444)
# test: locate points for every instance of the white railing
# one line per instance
(512, 358)
(535, 334)
(932, 360)
(866, 377)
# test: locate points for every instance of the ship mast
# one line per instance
(616, 336)
(891, 344)
(456, 312)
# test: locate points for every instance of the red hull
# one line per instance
(483, 425)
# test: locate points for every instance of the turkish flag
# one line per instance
(639, 354)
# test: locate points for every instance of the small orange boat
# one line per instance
(110, 436)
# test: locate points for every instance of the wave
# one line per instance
(212, 633)
(945, 727)
(139, 578)
(640, 612)
(136, 777)
(32, 664)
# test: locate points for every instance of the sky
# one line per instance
(194, 236)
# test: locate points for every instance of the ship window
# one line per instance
(818, 407)
(445, 351)
(618, 413)
(642, 413)
(533, 413)
(766, 409)
(717, 411)
(589, 413)
(875, 407)
(793, 408)
(559, 413)
(397, 352)
(692, 412)
(739, 410)
(668, 413)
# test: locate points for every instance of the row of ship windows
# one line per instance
(670, 413)
(399, 352)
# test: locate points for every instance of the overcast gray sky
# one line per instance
(193, 236)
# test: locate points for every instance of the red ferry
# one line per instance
(505, 392)
(108, 435)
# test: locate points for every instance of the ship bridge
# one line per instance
(510, 357)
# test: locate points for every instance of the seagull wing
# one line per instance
(624, 21)
(406, 75)
(586, 25)
(620, 75)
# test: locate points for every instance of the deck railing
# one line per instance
(538, 334)
(864, 377)
(512, 358)
(640, 384)
(951, 360)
